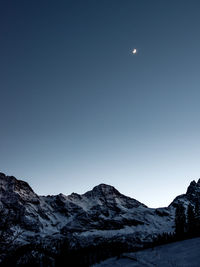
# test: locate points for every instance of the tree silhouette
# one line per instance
(180, 221)
(190, 221)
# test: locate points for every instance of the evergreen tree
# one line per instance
(180, 221)
(197, 218)
(190, 221)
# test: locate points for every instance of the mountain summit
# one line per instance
(194, 188)
(104, 189)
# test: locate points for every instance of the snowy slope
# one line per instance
(179, 254)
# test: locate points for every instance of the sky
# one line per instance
(79, 109)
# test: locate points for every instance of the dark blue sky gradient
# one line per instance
(78, 109)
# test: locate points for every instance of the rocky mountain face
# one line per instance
(99, 216)
(192, 195)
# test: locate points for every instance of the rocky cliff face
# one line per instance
(192, 195)
(96, 217)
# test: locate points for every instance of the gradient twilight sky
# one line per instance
(79, 109)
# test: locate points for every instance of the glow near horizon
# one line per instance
(73, 117)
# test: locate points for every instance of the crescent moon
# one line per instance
(134, 51)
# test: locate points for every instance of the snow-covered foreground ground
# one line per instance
(179, 254)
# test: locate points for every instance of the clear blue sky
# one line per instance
(78, 109)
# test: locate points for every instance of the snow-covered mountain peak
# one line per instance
(104, 194)
(103, 190)
(16, 188)
(192, 195)
(194, 188)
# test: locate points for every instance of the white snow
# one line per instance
(179, 254)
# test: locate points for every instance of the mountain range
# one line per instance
(100, 216)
